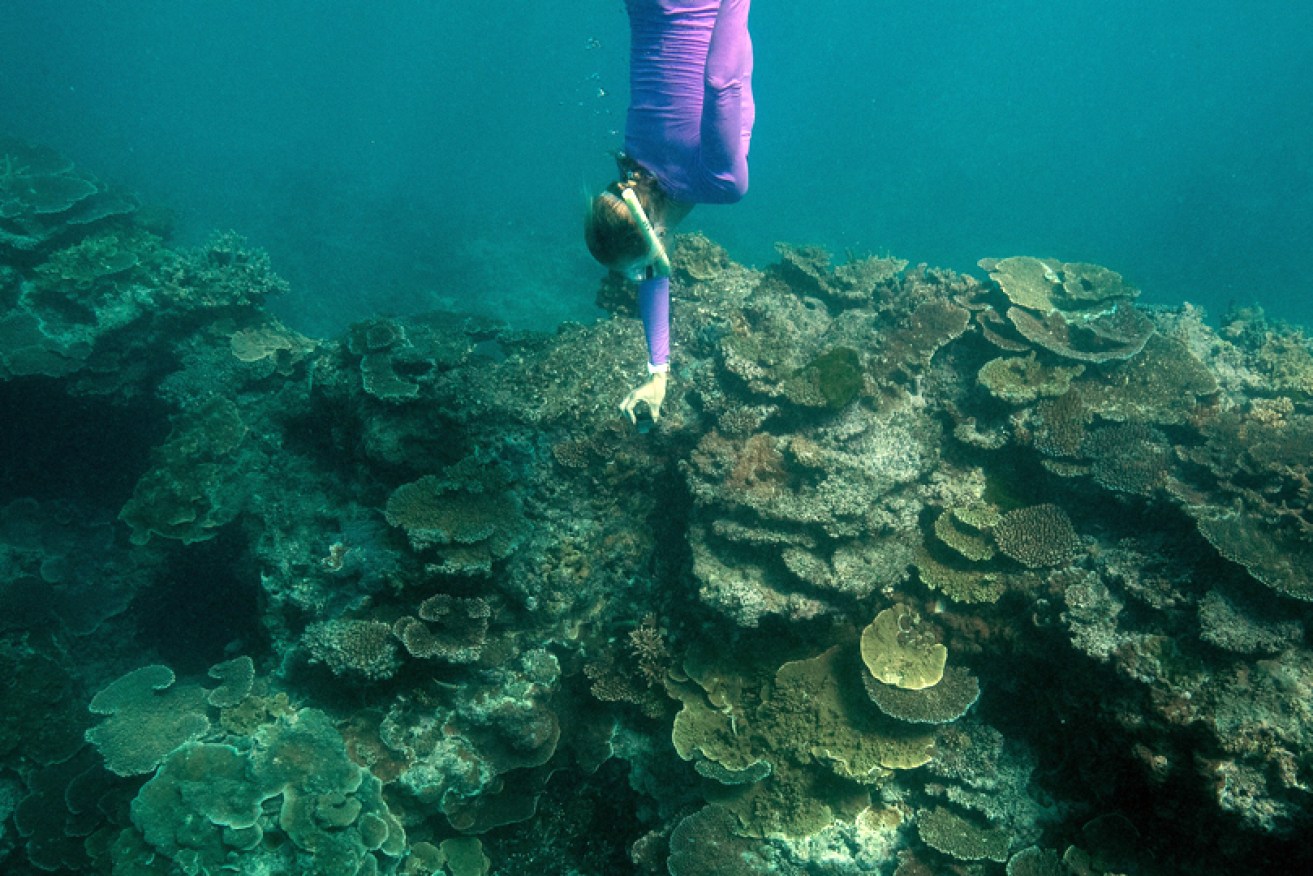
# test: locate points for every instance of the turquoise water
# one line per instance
(395, 157)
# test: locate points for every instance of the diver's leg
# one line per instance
(728, 110)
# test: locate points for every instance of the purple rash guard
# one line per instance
(690, 116)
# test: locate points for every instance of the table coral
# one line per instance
(470, 522)
(960, 838)
(147, 717)
(1037, 536)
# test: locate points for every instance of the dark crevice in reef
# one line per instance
(87, 449)
(204, 608)
(585, 824)
(1097, 772)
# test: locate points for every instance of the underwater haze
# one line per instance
(403, 156)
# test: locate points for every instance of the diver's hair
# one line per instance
(610, 232)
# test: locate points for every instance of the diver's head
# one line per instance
(623, 226)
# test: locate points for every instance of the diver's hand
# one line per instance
(653, 393)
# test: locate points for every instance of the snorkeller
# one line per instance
(686, 142)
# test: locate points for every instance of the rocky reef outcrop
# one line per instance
(920, 572)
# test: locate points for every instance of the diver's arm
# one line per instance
(727, 106)
(654, 308)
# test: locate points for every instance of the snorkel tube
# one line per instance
(660, 261)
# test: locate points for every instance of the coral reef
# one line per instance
(919, 573)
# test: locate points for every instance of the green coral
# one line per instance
(836, 375)
(210, 800)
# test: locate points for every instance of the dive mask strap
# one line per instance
(661, 261)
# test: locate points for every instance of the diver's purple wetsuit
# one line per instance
(690, 116)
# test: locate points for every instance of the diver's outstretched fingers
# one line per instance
(627, 406)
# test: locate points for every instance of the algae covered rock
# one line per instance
(194, 487)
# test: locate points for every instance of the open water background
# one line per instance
(402, 155)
